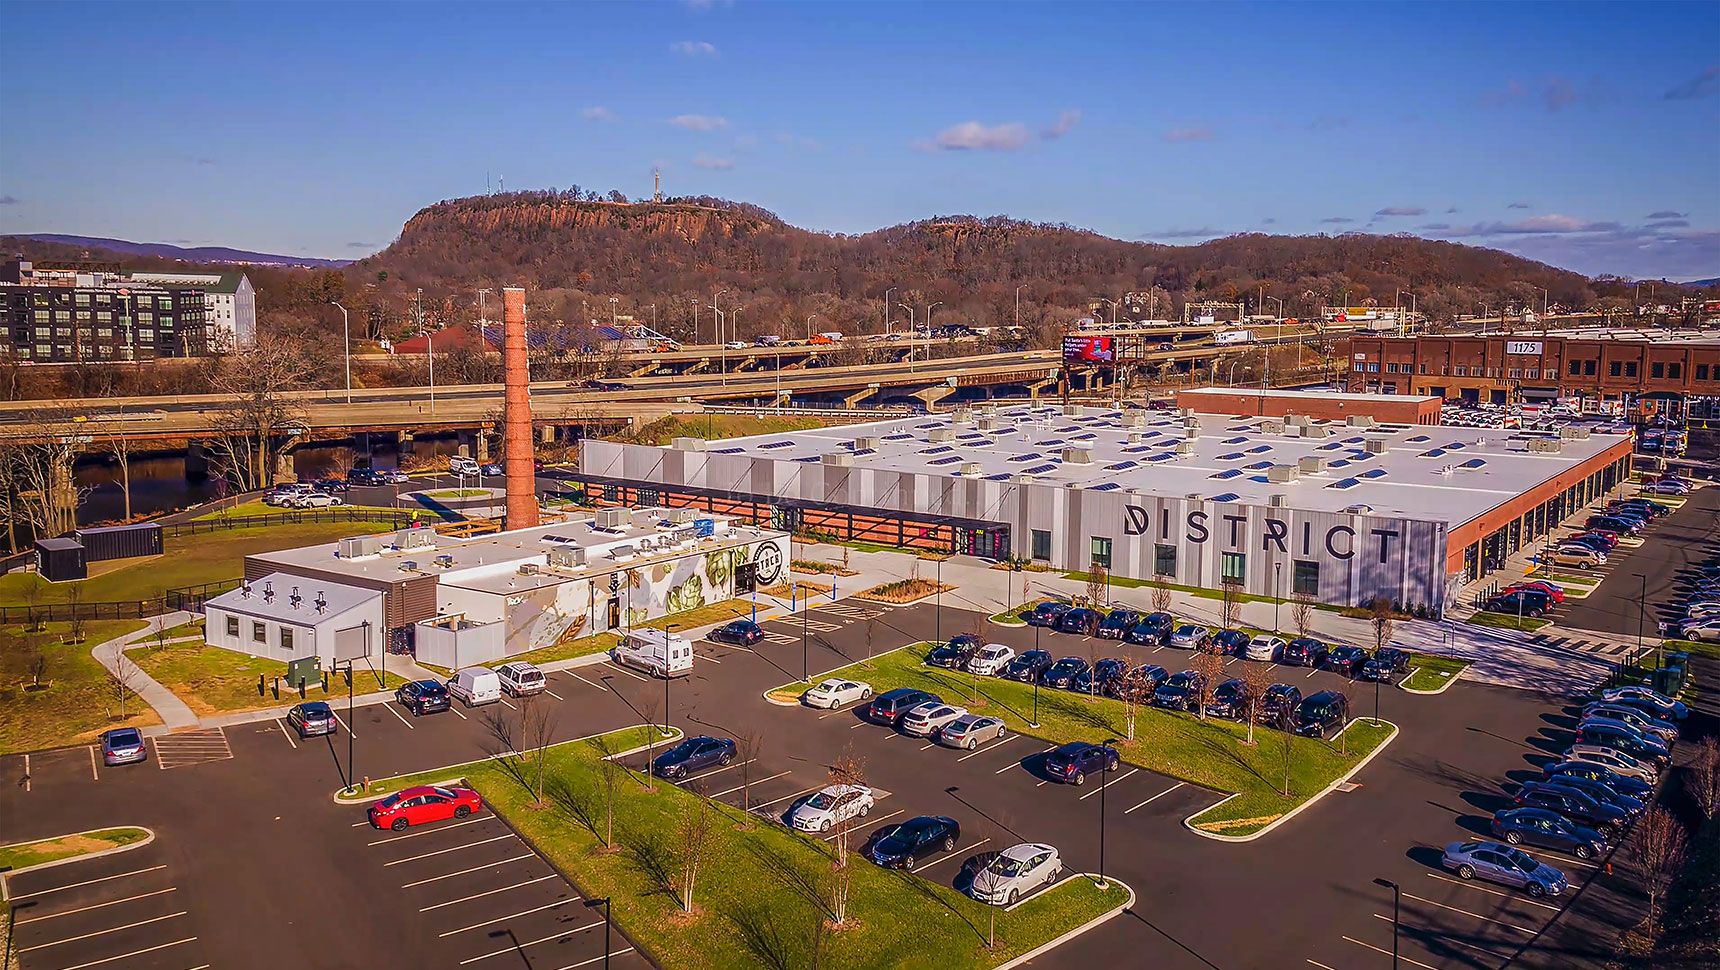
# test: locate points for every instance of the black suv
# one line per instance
(1322, 713)
(1154, 628)
(1047, 614)
(1118, 623)
(423, 697)
(1278, 705)
(1073, 762)
(1081, 620)
(1229, 699)
(902, 846)
(365, 476)
(1529, 602)
(1181, 692)
(956, 653)
(890, 706)
(1028, 666)
(1385, 663)
(1347, 660)
(1062, 674)
(1102, 677)
(1305, 652)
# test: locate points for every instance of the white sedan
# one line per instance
(830, 807)
(1700, 628)
(835, 692)
(925, 720)
(313, 500)
(1015, 872)
(1263, 647)
(990, 659)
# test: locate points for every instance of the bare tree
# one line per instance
(1161, 594)
(848, 769)
(75, 620)
(1289, 738)
(1380, 617)
(1210, 669)
(871, 623)
(1346, 689)
(695, 839)
(39, 472)
(1703, 778)
(120, 678)
(649, 706)
(1657, 845)
(1256, 680)
(35, 591)
(609, 770)
(1096, 584)
(1095, 653)
(1229, 604)
(260, 407)
(538, 722)
(1302, 613)
(119, 445)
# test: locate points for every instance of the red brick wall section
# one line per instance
(1483, 526)
(1409, 410)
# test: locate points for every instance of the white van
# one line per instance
(476, 686)
(520, 678)
(663, 654)
(461, 465)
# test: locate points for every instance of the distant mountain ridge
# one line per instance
(193, 254)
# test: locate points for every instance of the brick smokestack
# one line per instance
(517, 414)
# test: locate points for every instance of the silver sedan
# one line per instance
(970, 731)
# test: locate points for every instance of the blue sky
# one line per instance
(1586, 135)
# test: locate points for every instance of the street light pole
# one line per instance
(913, 334)
(1397, 897)
(1035, 722)
(604, 902)
(939, 613)
(1104, 776)
(346, 336)
(1278, 588)
(805, 677)
(666, 678)
(1641, 612)
(887, 293)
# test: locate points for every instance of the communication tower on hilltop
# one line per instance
(657, 180)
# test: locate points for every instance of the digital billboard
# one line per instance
(1090, 350)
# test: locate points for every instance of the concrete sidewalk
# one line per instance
(175, 714)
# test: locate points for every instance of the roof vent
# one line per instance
(294, 598)
(1272, 426)
(443, 562)
(1311, 464)
(1360, 510)
(408, 566)
(321, 602)
(838, 458)
(866, 444)
(988, 424)
(567, 558)
(961, 416)
(1376, 446)
(1185, 412)
(1283, 473)
(529, 569)
(1545, 445)
(971, 469)
(1135, 437)
(1077, 456)
(1293, 430)
(268, 592)
(1360, 421)
(1278, 500)
(1187, 447)
(941, 434)
(688, 444)
(614, 518)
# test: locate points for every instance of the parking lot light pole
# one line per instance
(1104, 776)
(1397, 897)
(1278, 590)
(939, 622)
(1035, 722)
(1641, 612)
(604, 902)
(804, 604)
(351, 675)
(666, 678)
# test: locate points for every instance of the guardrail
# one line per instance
(811, 412)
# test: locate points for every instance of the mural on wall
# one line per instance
(552, 614)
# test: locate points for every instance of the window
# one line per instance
(1101, 551)
(286, 638)
(259, 634)
(1233, 568)
(1589, 367)
(1373, 368)
(233, 626)
(1701, 372)
(83, 299)
(1424, 369)
(1533, 373)
(1657, 370)
(1516, 372)
(1630, 368)
(1042, 544)
(1164, 560)
(1306, 581)
(1675, 370)
(1460, 371)
(1615, 368)
(1359, 367)
(1576, 368)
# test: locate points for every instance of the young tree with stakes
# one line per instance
(747, 745)
(848, 769)
(1097, 584)
(1657, 844)
(1703, 778)
(1380, 617)
(695, 839)
(1302, 613)
(1256, 680)
(1210, 669)
(1229, 604)
(1161, 594)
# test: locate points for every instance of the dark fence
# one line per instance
(189, 598)
(198, 527)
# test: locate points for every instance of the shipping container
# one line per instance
(120, 541)
(59, 560)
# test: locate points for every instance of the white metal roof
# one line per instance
(271, 598)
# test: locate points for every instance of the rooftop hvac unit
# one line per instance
(838, 458)
(1311, 464)
(1283, 473)
(1278, 500)
(1135, 437)
(1272, 426)
(416, 537)
(941, 434)
(972, 469)
(407, 566)
(1185, 412)
(1360, 421)
(614, 518)
(683, 516)
(355, 547)
(1575, 434)
(1546, 445)
(1187, 447)
(443, 562)
(866, 444)
(688, 444)
(622, 551)
(988, 424)
(567, 558)
(961, 416)
(1069, 410)
(1316, 431)
(530, 569)
(1293, 430)
(1299, 420)
(1077, 456)
(1134, 419)
(1376, 446)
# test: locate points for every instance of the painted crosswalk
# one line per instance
(1585, 645)
(851, 612)
(191, 748)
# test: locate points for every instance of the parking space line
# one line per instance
(85, 909)
(464, 872)
(615, 666)
(1322, 966)
(869, 821)
(785, 798)
(509, 704)
(717, 771)
(1311, 674)
(1106, 784)
(488, 892)
(398, 716)
(951, 855)
(463, 717)
(605, 957)
(93, 761)
(287, 734)
(856, 727)
(731, 791)
(343, 725)
(554, 694)
(123, 956)
(87, 882)
(930, 746)
(535, 909)
(431, 831)
(1000, 742)
(520, 946)
(1443, 938)
(1454, 909)
(111, 929)
(1387, 952)
(469, 845)
(1160, 795)
(1491, 892)
(585, 682)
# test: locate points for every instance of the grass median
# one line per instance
(213, 681)
(1508, 621)
(53, 693)
(763, 893)
(1431, 672)
(1212, 753)
(23, 855)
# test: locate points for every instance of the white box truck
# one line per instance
(1226, 338)
(475, 686)
(655, 651)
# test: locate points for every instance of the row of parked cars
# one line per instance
(1701, 617)
(1584, 803)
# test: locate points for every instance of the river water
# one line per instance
(159, 482)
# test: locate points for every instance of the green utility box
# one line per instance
(305, 672)
(1669, 680)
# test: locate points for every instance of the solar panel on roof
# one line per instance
(727, 451)
(1346, 483)
(1473, 463)
(1040, 469)
(1231, 456)
(1227, 473)
(1334, 446)
(1260, 449)
(1089, 436)
(1373, 473)
(1418, 439)
(1049, 442)
(1225, 497)
(865, 451)
(1339, 463)
(1136, 449)
(1107, 487)
(1001, 477)
(947, 459)
(1238, 440)
(777, 444)
(1122, 466)
(1432, 453)
(1456, 446)
(1027, 456)
(897, 437)
(1163, 456)
(1351, 441)
(1258, 465)
(810, 458)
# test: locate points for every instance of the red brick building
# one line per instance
(1323, 405)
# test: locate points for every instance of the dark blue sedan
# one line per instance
(694, 754)
(743, 633)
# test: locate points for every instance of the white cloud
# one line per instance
(1702, 85)
(699, 122)
(1176, 135)
(973, 136)
(694, 48)
(1401, 210)
(702, 160)
(597, 112)
(1066, 122)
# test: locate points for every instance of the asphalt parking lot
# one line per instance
(1652, 573)
(127, 910)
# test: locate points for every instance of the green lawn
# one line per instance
(1693, 647)
(255, 508)
(1211, 753)
(190, 628)
(214, 681)
(1430, 672)
(1200, 591)
(458, 493)
(189, 560)
(77, 701)
(894, 919)
(713, 426)
(1506, 621)
(736, 609)
(25, 854)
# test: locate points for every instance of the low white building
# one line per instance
(282, 618)
(229, 305)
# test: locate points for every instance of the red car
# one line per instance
(423, 803)
(1557, 593)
